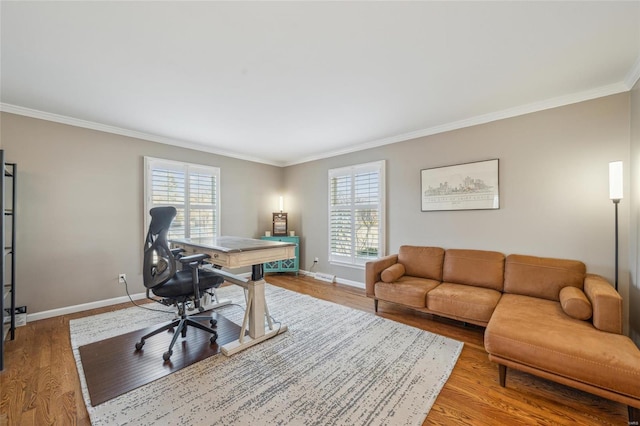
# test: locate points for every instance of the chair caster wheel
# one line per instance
(213, 338)
(139, 345)
(167, 355)
(213, 322)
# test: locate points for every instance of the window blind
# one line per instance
(192, 189)
(356, 213)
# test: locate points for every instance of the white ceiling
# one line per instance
(284, 83)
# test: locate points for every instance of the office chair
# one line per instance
(180, 288)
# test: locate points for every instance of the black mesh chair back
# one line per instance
(159, 264)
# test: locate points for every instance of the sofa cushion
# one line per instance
(537, 333)
(575, 303)
(463, 302)
(478, 268)
(410, 291)
(541, 276)
(392, 273)
(422, 262)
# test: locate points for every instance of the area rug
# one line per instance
(334, 366)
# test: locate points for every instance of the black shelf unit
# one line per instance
(8, 263)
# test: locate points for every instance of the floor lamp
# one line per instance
(615, 193)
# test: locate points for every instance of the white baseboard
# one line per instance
(91, 305)
(108, 302)
(338, 280)
(82, 307)
(356, 284)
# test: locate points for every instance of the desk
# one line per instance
(236, 252)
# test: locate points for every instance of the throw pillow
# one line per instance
(392, 273)
(575, 303)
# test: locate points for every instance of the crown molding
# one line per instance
(599, 92)
(42, 115)
(633, 75)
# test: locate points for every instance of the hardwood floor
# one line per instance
(40, 384)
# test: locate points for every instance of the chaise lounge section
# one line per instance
(544, 316)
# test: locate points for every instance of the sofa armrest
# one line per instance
(373, 270)
(606, 303)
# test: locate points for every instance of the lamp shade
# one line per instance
(615, 180)
(281, 203)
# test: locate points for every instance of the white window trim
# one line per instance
(380, 167)
(178, 166)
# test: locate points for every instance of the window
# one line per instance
(356, 213)
(194, 191)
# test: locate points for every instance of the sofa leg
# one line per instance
(502, 373)
(375, 304)
(634, 415)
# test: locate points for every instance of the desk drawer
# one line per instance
(217, 258)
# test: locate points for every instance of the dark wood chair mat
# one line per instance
(113, 367)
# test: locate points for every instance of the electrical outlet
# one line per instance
(122, 278)
(315, 260)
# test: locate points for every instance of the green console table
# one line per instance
(286, 265)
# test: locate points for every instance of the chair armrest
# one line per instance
(606, 303)
(373, 270)
(198, 257)
(176, 251)
(193, 261)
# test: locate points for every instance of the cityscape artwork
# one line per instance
(470, 186)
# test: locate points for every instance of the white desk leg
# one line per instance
(268, 315)
(256, 309)
(266, 311)
(245, 319)
(256, 313)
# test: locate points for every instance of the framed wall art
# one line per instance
(469, 186)
(280, 223)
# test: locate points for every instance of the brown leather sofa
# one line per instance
(544, 316)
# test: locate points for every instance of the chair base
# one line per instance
(180, 325)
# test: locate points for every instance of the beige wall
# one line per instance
(634, 246)
(80, 208)
(81, 198)
(554, 198)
